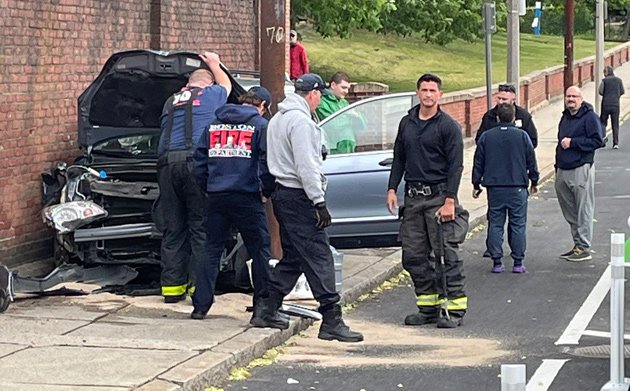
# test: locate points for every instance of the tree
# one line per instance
(438, 21)
(339, 18)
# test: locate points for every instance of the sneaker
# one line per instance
(615, 146)
(580, 255)
(568, 253)
(486, 254)
(498, 268)
(518, 269)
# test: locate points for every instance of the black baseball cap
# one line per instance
(262, 93)
(310, 82)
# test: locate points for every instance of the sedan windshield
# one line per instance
(132, 146)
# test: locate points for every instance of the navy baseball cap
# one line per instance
(262, 93)
(310, 82)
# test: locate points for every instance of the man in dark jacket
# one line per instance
(611, 89)
(524, 120)
(229, 165)
(179, 210)
(429, 153)
(579, 135)
(505, 163)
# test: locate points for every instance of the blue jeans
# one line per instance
(510, 202)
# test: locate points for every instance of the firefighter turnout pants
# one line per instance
(420, 245)
(179, 214)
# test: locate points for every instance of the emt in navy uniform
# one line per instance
(180, 207)
(295, 159)
(230, 167)
(429, 152)
(505, 164)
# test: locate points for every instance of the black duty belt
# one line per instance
(414, 189)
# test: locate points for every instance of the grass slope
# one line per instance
(398, 61)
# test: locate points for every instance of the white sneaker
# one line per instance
(615, 146)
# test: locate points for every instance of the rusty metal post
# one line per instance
(273, 48)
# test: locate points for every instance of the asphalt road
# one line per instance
(515, 319)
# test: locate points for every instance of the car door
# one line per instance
(358, 177)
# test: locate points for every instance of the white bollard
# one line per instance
(617, 381)
(513, 377)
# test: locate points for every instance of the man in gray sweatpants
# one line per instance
(579, 135)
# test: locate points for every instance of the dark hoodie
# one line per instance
(585, 131)
(611, 89)
(231, 153)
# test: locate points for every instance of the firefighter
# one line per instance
(429, 151)
(180, 207)
(230, 167)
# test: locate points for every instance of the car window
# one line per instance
(368, 126)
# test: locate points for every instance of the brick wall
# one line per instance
(50, 51)
(468, 106)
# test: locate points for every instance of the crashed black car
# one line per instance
(102, 209)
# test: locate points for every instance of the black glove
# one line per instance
(322, 215)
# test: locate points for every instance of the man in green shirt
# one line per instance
(340, 137)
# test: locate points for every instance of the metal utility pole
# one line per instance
(273, 48)
(599, 50)
(489, 27)
(569, 8)
(513, 45)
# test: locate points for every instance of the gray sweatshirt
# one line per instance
(294, 147)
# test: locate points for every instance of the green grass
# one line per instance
(399, 62)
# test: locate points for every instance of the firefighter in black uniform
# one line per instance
(429, 152)
(180, 208)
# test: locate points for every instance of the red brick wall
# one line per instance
(50, 51)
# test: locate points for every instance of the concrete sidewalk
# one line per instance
(109, 342)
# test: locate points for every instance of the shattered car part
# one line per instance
(11, 283)
(69, 216)
(6, 295)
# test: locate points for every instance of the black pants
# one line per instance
(420, 245)
(613, 113)
(305, 247)
(246, 212)
(180, 217)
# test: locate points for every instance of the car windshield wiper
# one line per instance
(111, 153)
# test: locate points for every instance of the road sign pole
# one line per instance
(617, 381)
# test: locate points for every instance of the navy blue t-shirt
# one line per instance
(208, 100)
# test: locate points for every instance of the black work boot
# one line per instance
(334, 328)
(266, 315)
(174, 299)
(423, 316)
(450, 319)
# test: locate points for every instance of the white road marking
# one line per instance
(582, 318)
(601, 334)
(544, 375)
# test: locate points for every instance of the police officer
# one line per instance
(179, 211)
(230, 166)
(429, 152)
(295, 160)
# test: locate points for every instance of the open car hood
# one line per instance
(127, 97)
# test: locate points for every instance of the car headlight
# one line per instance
(69, 216)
